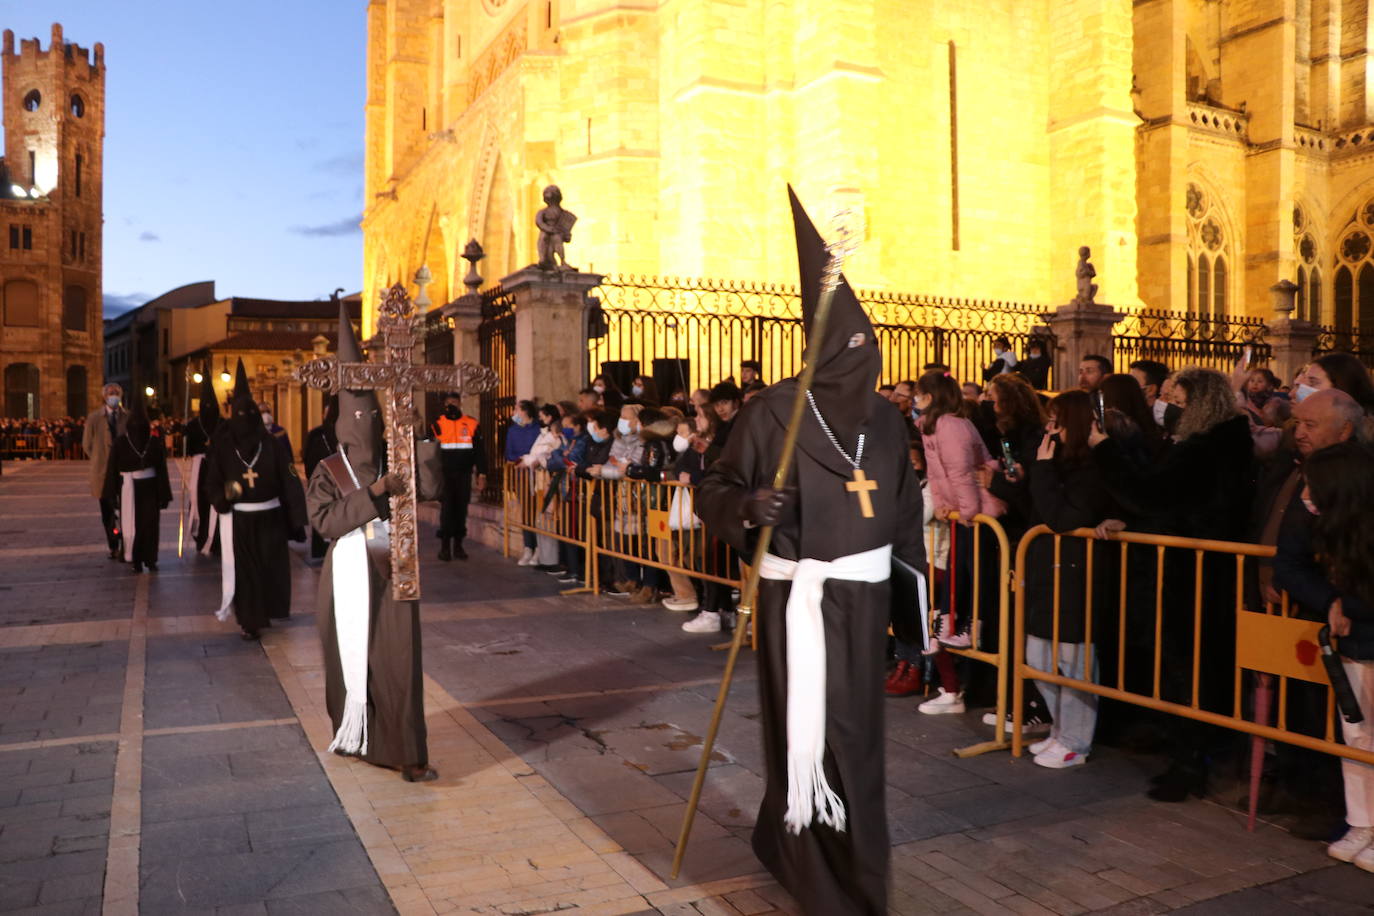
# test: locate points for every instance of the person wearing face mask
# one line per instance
(600, 437)
(1341, 371)
(520, 438)
(104, 425)
(825, 601)
(612, 398)
(137, 479)
(563, 462)
(249, 476)
(374, 683)
(549, 441)
(269, 423)
(1035, 368)
(627, 449)
(1004, 359)
(464, 457)
(645, 391)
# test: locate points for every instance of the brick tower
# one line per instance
(50, 227)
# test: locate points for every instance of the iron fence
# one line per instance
(1180, 340)
(1348, 340)
(496, 344)
(692, 333)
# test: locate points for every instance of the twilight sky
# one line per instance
(233, 141)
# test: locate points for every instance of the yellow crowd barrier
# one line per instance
(549, 504)
(1186, 582)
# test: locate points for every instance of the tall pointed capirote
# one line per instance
(209, 401)
(359, 426)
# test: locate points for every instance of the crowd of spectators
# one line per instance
(1181, 451)
(41, 438)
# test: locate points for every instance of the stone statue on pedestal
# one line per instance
(1087, 289)
(555, 228)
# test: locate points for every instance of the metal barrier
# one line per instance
(550, 503)
(999, 656)
(1273, 643)
(28, 445)
(652, 524)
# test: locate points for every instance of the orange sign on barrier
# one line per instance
(1285, 646)
(658, 525)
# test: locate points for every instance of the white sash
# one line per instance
(194, 520)
(226, 553)
(126, 508)
(809, 796)
(352, 612)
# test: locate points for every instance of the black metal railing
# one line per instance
(1331, 339)
(692, 333)
(496, 345)
(1180, 340)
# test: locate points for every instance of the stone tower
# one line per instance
(50, 226)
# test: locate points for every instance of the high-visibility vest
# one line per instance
(455, 434)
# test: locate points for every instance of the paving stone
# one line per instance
(195, 837)
(366, 901)
(603, 785)
(310, 826)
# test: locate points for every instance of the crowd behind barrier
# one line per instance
(60, 439)
(1124, 550)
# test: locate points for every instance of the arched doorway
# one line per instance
(21, 391)
(76, 391)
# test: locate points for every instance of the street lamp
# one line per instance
(225, 377)
(197, 377)
(148, 390)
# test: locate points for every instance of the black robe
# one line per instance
(320, 443)
(262, 563)
(150, 496)
(828, 872)
(198, 443)
(395, 679)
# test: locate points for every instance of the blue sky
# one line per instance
(233, 141)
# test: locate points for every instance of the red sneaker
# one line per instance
(896, 674)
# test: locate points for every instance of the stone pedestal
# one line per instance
(1291, 341)
(1080, 329)
(466, 313)
(550, 331)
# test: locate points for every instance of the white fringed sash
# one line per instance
(193, 520)
(226, 554)
(352, 612)
(126, 508)
(809, 796)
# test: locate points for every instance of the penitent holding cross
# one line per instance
(398, 376)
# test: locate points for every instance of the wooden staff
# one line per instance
(830, 281)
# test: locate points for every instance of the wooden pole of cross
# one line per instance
(395, 378)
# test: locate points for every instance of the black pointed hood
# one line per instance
(359, 425)
(850, 362)
(245, 422)
(209, 402)
(139, 428)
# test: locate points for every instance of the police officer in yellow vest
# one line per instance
(462, 454)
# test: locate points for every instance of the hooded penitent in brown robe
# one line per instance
(831, 869)
(395, 715)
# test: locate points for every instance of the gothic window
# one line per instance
(32, 99)
(1208, 255)
(21, 304)
(1353, 291)
(21, 390)
(1307, 301)
(74, 308)
(78, 106)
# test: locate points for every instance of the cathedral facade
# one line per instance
(1204, 149)
(50, 226)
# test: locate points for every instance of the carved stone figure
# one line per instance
(1087, 289)
(555, 228)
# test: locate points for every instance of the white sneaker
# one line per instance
(943, 704)
(1032, 726)
(526, 558)
(1040, 747)
(680, 604)
(705, 622)
(1349, 847)
(1058, 757)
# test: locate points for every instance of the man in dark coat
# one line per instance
(248, 478)
(137, 482)
(320, 443)
(824, 600)
(199, 429)
(374, 683)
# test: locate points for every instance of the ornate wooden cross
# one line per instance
(398, 376)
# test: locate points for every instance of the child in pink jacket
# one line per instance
(954, 452)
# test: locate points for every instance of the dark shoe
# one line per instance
(458, 551)
(116, 553)
(445, 553)
(152, 567)
(250, 635)
(419, 774)
(557, 571)
(568, 579)
(138, 568)
(908, 684)
(547, 568)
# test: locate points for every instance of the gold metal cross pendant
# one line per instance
(862, 486)
(251, 476)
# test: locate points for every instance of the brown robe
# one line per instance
(395, 680)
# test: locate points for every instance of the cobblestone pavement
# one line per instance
(150, 761)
